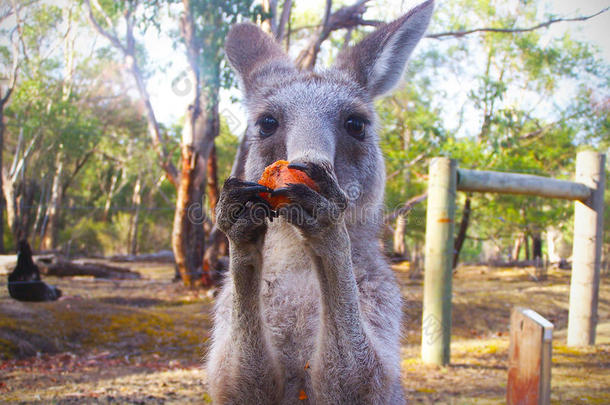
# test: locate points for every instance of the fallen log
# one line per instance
(60, 267)
(163, 256)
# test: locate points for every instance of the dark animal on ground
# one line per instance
(24, 282)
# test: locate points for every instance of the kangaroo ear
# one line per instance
(379, 60)
(250, 50)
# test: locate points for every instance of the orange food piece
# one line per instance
(302, 395)
(279, 175)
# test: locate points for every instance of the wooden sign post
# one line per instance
(529, 359)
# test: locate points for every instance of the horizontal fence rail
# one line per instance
(515, 183)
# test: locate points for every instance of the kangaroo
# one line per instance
(310, 311)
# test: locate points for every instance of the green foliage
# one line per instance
(226, 148)
(510, 83)
(519, 102)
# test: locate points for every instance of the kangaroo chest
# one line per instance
(290, 297)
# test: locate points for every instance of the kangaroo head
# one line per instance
(325, 116)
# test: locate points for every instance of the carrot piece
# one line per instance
(279, 175)
(302, 395)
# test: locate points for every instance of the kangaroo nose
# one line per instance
(310, 156)
(310, 148)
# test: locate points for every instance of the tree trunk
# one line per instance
(415, 265)
(306, 60)
(517, 248)
(269, 24)
(153, 125)
(217, 243)
(526, 243)
(213, 190)
(461, 236)
(110, 195)
(537, 256)
(4, 98)
(49, 238)
(284, 20)
(23, 217)
(537, 246)
(201, 127)
(41, 211)
(399, 245)
(8, 189)
(2, 127)
(135, 220)
(188, 236)
(239, 162)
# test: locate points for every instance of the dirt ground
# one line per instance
(142, 341)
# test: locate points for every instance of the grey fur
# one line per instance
(311, 286)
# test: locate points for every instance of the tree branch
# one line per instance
(19, 29)
(18, 164)
(542, 130)
(128, 51)
(79, 165)
(407, 165)
(6, 14)
(346, 17)
(281, 24)
(12, 76)
(109, 36)
(406, 207)
(269, 24)
(459, 34)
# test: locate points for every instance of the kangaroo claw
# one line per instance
(298, 166)
(256, 189)
(280, 191)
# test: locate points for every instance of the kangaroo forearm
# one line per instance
(246, 373)
(346, 357)
(346, 367)
(247, 329)
(344, 373)
(332, 259)
(345, 354)
(245, 269)
(249, 373)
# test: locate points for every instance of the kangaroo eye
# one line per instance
(355, 127)
(267, 125)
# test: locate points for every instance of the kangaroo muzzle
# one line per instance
(316, 146)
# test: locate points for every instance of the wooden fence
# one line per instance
(446, 179)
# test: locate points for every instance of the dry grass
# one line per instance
(483, 298)
(141, 341)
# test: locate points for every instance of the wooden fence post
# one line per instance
(529, 359)
(436, 321)
(586, 255)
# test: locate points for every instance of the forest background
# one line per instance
(121, 120)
